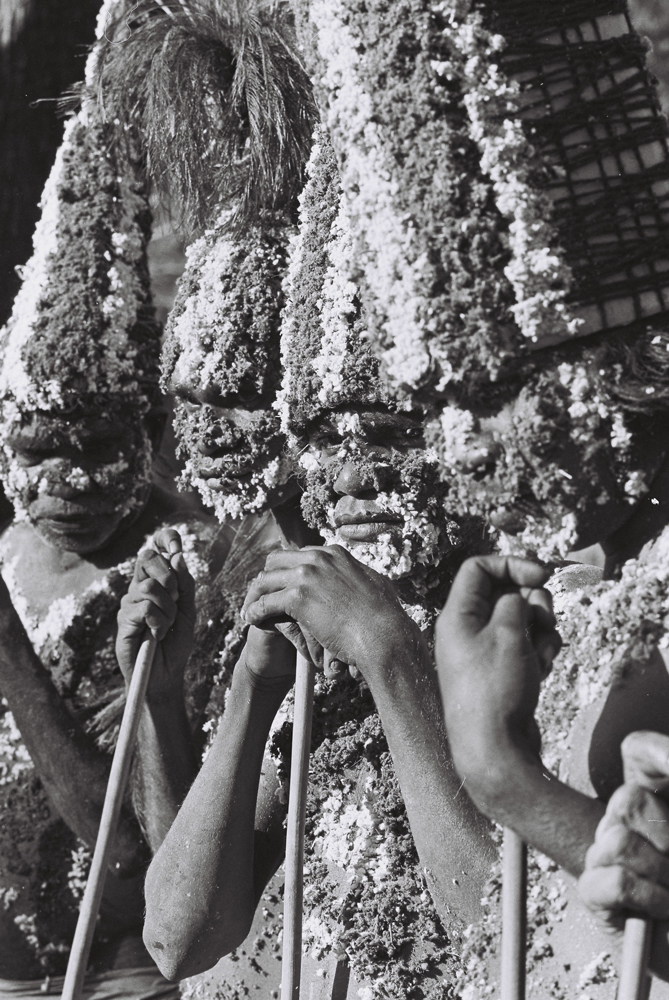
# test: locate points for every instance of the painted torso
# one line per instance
(70, 618)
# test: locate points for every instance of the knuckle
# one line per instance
(591, 856)
(621, 844)
(624, 800)
(632, 743)
(152, 588)
(622, 884)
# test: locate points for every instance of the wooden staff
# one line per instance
(297, 805)
(634, 979)
(514, 891)
(118, 779)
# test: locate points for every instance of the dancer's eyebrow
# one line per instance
(380, 426)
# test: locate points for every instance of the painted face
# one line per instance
(371, 487)
(559, 467)
(234, 456)
(221, 361)
(76, 480)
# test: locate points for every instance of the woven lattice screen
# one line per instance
(592, 111)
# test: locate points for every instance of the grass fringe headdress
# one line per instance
(218, 95)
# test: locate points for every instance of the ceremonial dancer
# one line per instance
(506, 174)
(549, 418)
(380, 767)
(80, 416)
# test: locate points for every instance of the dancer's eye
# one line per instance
(27, 457)
(101, 450)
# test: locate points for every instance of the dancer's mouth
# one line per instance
(363, 520)
(222, 467)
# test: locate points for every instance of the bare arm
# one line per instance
(205, 881)
(72, 769)
(164, 766)
(160, 598)
(354, 613)
(496, 640)
(452, 838)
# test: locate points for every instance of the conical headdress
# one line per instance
(222, 348)
(82, 334)
(331, 391)
(506, 170)
(81, 340)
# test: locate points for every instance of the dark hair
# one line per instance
(636, 372)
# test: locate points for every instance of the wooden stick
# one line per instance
(118, 779)
(634, 979)
(297, 805)
(514, 889)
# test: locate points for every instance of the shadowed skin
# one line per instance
(69, 543)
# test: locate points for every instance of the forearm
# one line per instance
(200, 886)
(71, 768)
(164, 766)
(509, 784)
(452, 838)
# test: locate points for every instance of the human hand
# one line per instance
(161, 599)
(341, 606)
(495, 643)
(627, 866)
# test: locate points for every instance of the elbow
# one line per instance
(174, 951)
(183, 942)
(178, 957)
(167, 959)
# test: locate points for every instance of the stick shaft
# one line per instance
(118, 779)
(634, 979)
(297, 805)
(514, 890)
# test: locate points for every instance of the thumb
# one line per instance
(646, 760)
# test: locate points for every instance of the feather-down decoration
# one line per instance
(217, 94)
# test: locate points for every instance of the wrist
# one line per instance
(395, 665)
(273, 688)
(492, 759)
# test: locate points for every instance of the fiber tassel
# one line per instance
(217, 93)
